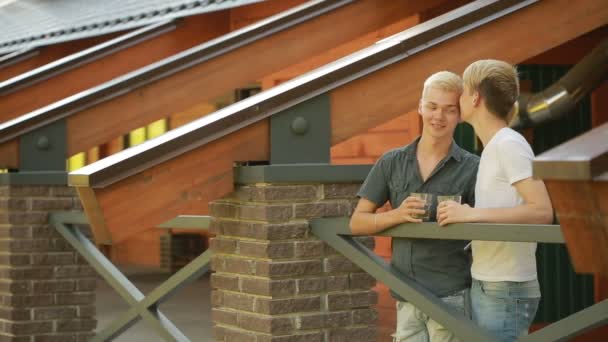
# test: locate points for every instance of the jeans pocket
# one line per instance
(528, 289)
(496, 290)
(457, 301)
(511, 289)
(525, 311)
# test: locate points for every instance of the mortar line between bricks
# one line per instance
(248, 276)
(240, 238)
(302, 296)
(236, 219)
(250, 220)
(246, 257)
(239, 329)
(301, 277)
(287, 315)
(244, 294)
(273, 202)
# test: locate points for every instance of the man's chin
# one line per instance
(441, 135)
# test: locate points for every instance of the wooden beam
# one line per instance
(94, 213)
(246, 15)
(9, 155)
(51, 53)
(208, 80)
(573, 51)
(181, 186)
(185, 184)
(582, 211)
(337, 52)
(528, 32)
(191, 31)
(188, 33)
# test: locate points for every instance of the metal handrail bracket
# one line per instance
(141, 307)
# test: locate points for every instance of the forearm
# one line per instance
(522, 214)
(363, 223)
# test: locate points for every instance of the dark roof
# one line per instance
(29, 23)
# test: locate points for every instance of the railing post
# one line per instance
(273, 278)
(47, 289)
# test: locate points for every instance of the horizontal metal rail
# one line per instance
(140, 306)
(17, 56)
(265, 104)
(86, 56)
(547, 233)
(166, 67)
(336, 233)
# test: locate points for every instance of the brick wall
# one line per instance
(46, 289)
(274, 280)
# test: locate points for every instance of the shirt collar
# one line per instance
(455, 150)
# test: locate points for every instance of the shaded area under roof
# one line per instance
(26, 24)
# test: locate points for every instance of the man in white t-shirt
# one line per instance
(505, 291)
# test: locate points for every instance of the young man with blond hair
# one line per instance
(434, 164)
(505, 292)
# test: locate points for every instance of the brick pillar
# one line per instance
(46, 289)
(274, 280)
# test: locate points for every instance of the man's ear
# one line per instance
(420, 106)
(476, 99)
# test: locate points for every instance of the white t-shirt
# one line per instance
(505, 160)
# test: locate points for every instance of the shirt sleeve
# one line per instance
(516, 157)
(376, 188)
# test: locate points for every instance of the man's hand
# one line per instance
(365, 220)
(452, 212)
(410, 208)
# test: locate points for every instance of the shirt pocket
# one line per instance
(398, 190)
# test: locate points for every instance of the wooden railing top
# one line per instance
(88, 55)
(167, 67)
(265, 104)
(582, 158)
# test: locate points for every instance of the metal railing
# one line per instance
(336, 233)
(216, 125)
(165, 68)
(140, 306)
(86, 56)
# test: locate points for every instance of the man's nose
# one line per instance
(439, 113)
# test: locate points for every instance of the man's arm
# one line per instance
(365, 220)
(536, 208)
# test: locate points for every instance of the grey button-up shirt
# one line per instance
(442, 266)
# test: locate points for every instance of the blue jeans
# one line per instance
(414, 325)
(505, 308)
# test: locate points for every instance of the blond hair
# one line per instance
(443, 80)
(497, 82)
